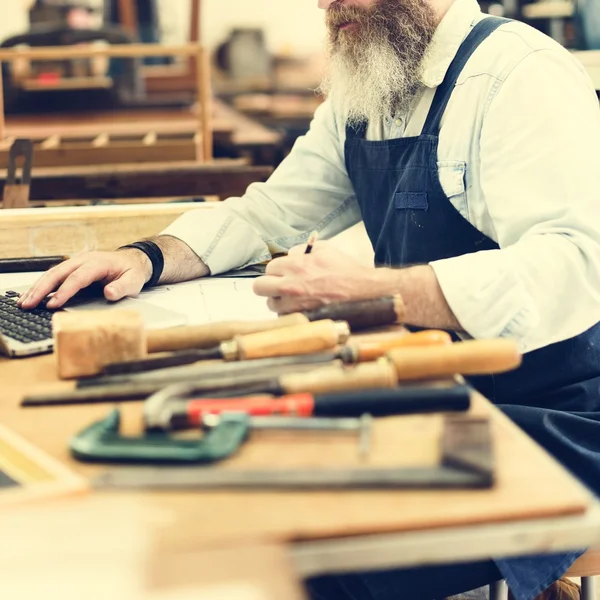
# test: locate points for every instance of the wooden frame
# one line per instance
(39, 476)
(223, 178)
(104, 149)
(202, 75)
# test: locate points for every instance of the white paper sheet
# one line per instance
(213, 299)
(200, 301)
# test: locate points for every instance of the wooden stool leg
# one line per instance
(499, 590)
(588, 588)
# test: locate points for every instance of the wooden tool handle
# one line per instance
(16, 196)
(373, 375)
(300, 339)
(208, 336)
(478, 357)
(362, 314)
(374, 350)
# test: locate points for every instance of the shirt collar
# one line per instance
(447, 39)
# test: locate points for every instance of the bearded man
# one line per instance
(468, 145)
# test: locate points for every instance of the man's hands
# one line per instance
(124, 272)
(302, 281)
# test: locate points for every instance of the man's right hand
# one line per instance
(124, 272)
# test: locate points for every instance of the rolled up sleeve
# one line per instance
(540, 175)
(309, 190)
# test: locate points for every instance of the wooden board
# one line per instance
(59, 152)
(222, 178)
(67, 231)
(28, 475)
(106, 544)
(530, 484)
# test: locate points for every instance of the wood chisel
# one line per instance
(210, 335)
(468, 358)
(331, 378)
(362, 314)
(172, 409)
(287, 341)
(473, 357)
(350, 354)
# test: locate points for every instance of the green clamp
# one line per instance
(102, 442)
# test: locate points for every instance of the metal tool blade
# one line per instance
(272, 366)
(162, 361)
(303, 479)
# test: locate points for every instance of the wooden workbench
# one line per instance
(536, 506)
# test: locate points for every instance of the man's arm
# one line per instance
(541, 181)
(540, 178)
(302, 281)
(310, 190)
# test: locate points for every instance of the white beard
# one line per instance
(368, 77)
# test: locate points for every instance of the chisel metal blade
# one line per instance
(271, 366)
(163, 361)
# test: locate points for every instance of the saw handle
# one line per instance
(476, 357)
(208, 336)
(301, 339)
(373, 350)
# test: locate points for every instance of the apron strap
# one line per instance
(478, 34)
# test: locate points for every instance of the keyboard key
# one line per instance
(24, 326)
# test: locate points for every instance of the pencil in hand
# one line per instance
(312, 240)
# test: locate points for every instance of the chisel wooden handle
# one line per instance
(300, 339)
(208, 336)
(373, 350)
(362, 314)
(373, 375)
(477, 357)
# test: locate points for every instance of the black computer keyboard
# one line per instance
(24, 325)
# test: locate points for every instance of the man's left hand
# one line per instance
(300, 281)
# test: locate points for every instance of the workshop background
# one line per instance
(266, 55)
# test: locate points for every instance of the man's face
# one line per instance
(376, 48)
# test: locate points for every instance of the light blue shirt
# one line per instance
(518, 157)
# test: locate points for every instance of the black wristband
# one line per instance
(154, 253)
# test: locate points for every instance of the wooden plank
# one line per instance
(150, 180)
(110, 51)
(102, 152)
(549, 9)
(165, 122)
(2, 115)
(448, 545)
(204, 95)
(67, 231)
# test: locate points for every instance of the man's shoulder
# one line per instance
(509, 46)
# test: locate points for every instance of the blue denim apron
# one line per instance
(555, 395)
